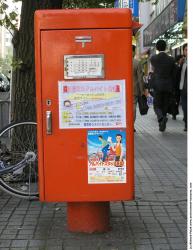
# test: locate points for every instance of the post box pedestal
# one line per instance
(88, 217)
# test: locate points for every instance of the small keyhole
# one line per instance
(48, 102)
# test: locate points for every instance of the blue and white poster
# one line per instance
(92, 104)
(106, 156)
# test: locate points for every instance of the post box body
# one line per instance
(67, 171)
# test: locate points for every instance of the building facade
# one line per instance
(6, 47)
(162, 21)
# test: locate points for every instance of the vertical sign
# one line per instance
(132, 4)
(126, 4)
(116, 4)
(181, 5)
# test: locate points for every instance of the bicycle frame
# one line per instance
(13, 168)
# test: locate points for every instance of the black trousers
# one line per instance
(161, 103)
(184, 106)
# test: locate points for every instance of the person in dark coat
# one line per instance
(164, 70)
(179, 62)
(183, 86)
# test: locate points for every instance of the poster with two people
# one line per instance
(106, 156)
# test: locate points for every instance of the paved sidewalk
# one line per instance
(155, 220)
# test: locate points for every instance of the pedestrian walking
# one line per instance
(183, 86)
(164, 80)
(138, 82)
(179, 60)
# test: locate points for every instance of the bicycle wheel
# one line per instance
(93, 158)
(17, 143)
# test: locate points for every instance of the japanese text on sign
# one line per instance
(106, 156)
(92, 104)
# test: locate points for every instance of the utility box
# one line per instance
(84, 104)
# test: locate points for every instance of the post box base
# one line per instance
(88, 217)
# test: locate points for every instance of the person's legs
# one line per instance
(105, 150)
(158, 103)
(166, 102)
(184, 108)
(177, 97)
(135, 100)
(161, 104)
(165, 107)
(117, 161)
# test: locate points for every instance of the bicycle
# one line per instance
(97, 157)
(18, 160)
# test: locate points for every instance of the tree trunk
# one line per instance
(23, 105)
(23, 84)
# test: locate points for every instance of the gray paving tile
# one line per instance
(144, 247)
(181, 246)
(19, 243)
(18, 248)
(37, 243)
(5, 243)
(54, 248)
(162, 247)
(155, 220)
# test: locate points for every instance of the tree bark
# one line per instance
(23, 84)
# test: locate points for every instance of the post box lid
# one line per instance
(83, 18)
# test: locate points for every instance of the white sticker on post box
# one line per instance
(106, 156)
(92, 104)
(83, 66)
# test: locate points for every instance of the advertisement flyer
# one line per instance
(106, 156)
(92, 104)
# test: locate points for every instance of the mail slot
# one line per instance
(84, 104)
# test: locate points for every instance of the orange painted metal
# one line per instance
(83, 19)
(136, 25)
(63, 163)
(88, 217)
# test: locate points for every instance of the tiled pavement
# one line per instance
(155, 220)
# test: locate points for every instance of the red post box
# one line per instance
(85, 111)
